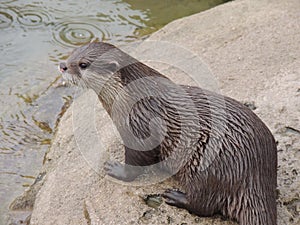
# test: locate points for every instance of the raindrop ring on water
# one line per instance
(6, 19)
(32, 17)
(72, 34)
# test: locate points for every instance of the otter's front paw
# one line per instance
(118, 171)
(175, 198)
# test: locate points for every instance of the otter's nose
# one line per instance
(63, 67)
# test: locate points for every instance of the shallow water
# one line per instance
(35, 36)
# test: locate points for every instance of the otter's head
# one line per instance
(92, 65)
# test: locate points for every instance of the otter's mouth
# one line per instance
(68, 77)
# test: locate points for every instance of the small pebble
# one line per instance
(153, 200)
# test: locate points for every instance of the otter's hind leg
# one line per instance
(181, 200)
(175, 198)
(263, 208)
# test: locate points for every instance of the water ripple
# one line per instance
(66, 7)
(77, 33)
(33, 17)
(7, 1)
(6, 18)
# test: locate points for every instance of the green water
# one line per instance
(34, 36)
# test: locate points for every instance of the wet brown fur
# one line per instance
(223, 155)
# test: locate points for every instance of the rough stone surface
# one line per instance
(252, 50)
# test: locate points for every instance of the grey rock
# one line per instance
(246, 49)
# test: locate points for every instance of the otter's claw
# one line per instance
(115, 169)
(175, 198)
(119, 171)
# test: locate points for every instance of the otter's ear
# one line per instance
(112, 66)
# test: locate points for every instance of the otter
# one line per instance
(222, 154)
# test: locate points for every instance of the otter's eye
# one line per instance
(83, 65)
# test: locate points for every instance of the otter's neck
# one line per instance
(111, 90)
(137, 70)
(115, 88)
